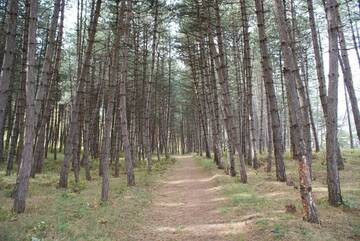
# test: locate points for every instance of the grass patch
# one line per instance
(77, 213)
(263, 200)
(205, 163)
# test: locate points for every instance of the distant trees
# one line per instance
(124, 86)
(219, 35)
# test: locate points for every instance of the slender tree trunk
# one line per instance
(122, 107)
(248, 80)
(313, 127)
(71, 139)
(352, 32)
(270, 93)
(219, 60)
(333, 180)
(149, 87)
(7, 63)
(22, 181)
(291, 73)
(349, 119)
(270, 138)
(348, 75)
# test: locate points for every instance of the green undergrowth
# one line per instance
(77, 212)
(262, 202)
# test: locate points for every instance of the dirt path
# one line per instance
(186, 206)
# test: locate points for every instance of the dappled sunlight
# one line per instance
(214, 189)
(179, 157)
(209, 229)
(275, 183)
(320, 189)
(192, 180)
(274, 194)
(245, 195)
(219, 199)
(169, 204)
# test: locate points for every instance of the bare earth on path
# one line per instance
(186, 207)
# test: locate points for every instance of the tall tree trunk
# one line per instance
(248, 74)
(149, 86)
(7, 63)
(219, 60)
(333, 180)
(71, 138)
(22, 181)
(313, 127)
(348, 74)
(270, 93)
(122, 107)
(352, 32)
(348, 119)
(292, 73)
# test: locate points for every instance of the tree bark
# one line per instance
(292, 73)
(333, 180)
(72, 137)
(7, 63)
(270, 93)
(22, 181)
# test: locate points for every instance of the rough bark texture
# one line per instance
(219, 61)
(333, 180)
(73, 133)
(7, 63)
(270, 93)
(348, 74)
(122, 107)
(291, 73)
(22, 181)
(148, 93)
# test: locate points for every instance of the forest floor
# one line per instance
(263, 202)
(189, 200)
(186, 206)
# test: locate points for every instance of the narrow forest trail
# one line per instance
(186, 207)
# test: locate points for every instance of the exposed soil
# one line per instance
(186, 207)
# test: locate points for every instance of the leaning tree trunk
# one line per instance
(348, 74)
(42, 111)
(22, 181)
(73, 128)
(320, 69)
(271, 96)
(219, 61)
(292, 73)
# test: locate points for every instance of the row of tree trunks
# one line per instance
(72, 139)
(7, 62)
(291, 72)
(271, 97)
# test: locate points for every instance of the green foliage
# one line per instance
(206, 163)
(4, 214)
(278, 231)
(38, 232)
(350, 203)
(262, 201)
